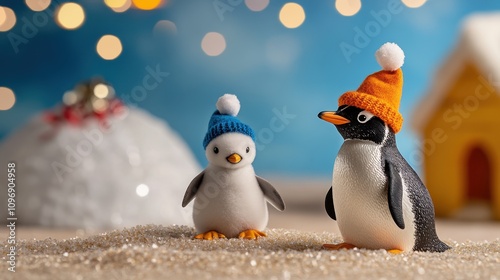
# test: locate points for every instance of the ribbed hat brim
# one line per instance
(374, 105)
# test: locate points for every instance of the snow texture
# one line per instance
(134, 172)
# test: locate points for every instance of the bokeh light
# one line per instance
(37, 5)
(256, 5)
(109, 47)
(142, 190)
(3, 16)
(213, 44)
(70, 15)
(115, 3)
(101, 91)
(348, 7)
(100, 105)
(414, 3)
(147, 4)
(163, 27)
(7, 98)
(292, 15)
(7, 19)
(70, 98)
(119, 6)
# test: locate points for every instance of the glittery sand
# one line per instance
(157, 252)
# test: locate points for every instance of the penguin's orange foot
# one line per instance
(251, 234)
(395, 251)
(209, 235)
(339, 246)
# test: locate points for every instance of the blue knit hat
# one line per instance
(224, 120)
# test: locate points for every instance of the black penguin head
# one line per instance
(356, 123)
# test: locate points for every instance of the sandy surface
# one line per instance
(291, 251)
(157, 252)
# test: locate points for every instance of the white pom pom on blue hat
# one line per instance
(224, 120)
(228, 104)
(390, 56)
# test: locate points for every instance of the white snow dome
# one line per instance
(133, 172)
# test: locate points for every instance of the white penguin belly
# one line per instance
(361, 200)
(230, 202)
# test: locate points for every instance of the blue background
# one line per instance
(268, 66)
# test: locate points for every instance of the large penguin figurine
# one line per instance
(377, 199)
(230, 198)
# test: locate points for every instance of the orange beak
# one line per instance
(332, 117)
(234, 158)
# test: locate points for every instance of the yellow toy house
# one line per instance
(459, 122)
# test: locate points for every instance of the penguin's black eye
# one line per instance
(248, 150)
(364, 116)
(216, 150)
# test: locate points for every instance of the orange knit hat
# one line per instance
(380, 93)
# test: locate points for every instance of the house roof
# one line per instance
(479, 43)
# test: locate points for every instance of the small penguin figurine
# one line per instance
(377, 199)
(230, 198)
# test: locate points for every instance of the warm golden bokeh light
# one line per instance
(119, 6)
(70, 16)
(348, 7)
(37, 5)
(147, 4)
(7, 98)
(7, 19)
(213, 44)
(109, 47)
(3, 16)
(115, 3)
(256, 5)
(101, 91)
(292, 15)
(414, 3)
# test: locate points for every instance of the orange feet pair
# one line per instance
(348, 246)
(247, 234)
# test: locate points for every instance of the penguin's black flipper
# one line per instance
(192, 189)
(395, 194)
(330, 210)
(271, 194)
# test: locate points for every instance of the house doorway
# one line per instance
(479, 175)
(478, 180)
